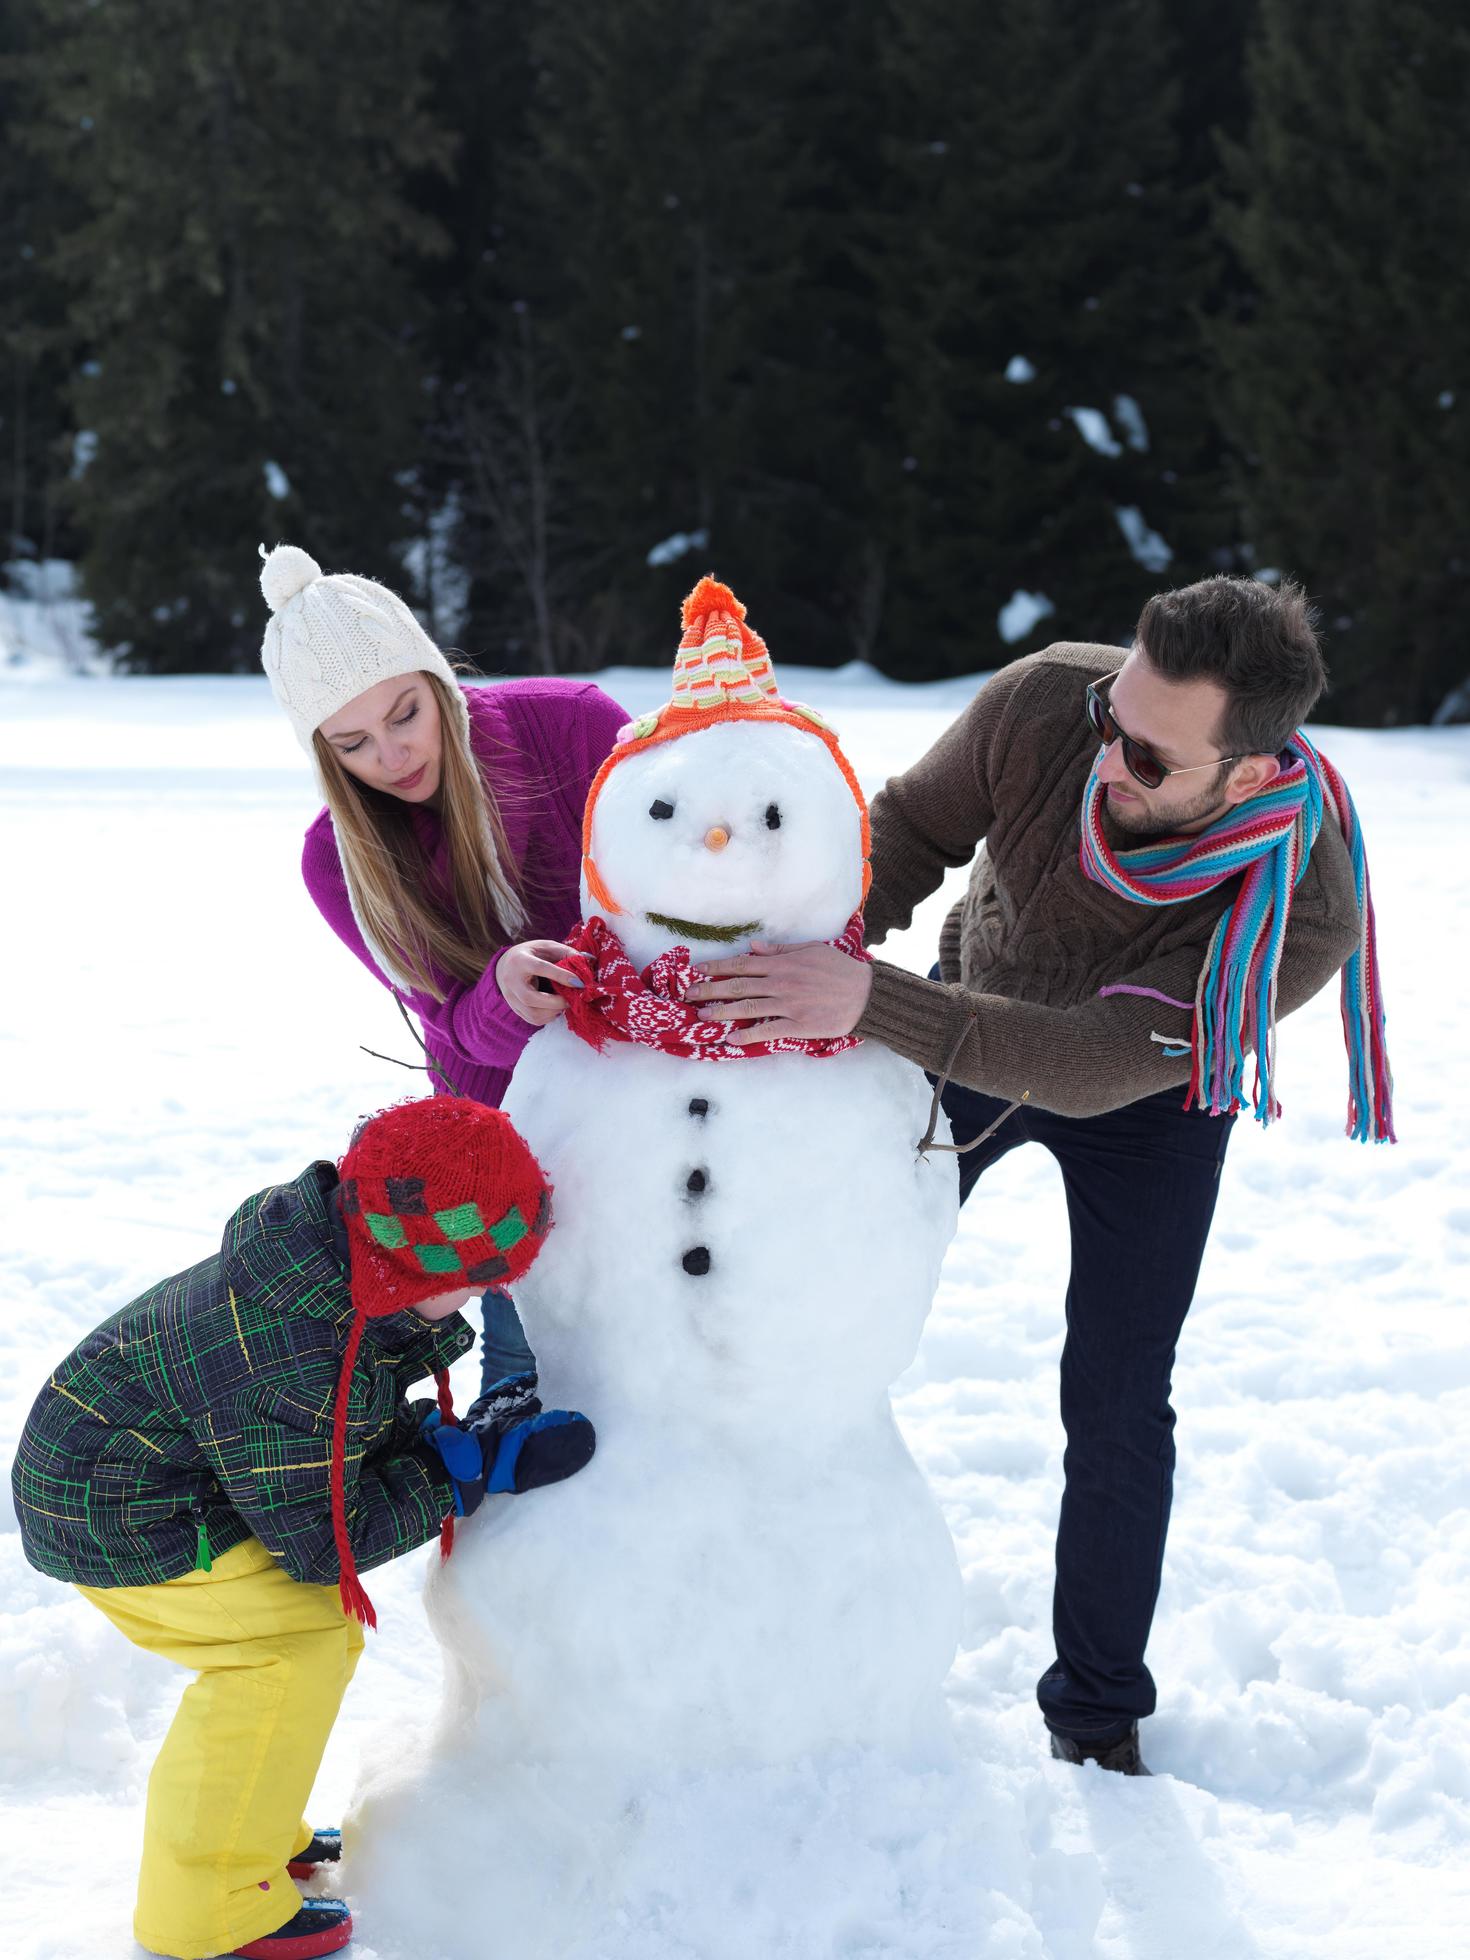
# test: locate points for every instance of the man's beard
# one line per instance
(1149, 826)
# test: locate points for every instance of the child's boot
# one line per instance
(321, 1926)
(325, 1849)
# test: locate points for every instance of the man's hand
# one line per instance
(811, 992)
(520, 967)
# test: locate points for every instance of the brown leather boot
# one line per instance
(1119, 1753)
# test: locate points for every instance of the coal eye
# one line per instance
(658, 808)
(773, 817)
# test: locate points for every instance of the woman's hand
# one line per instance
(518, 970)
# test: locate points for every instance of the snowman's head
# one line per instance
(729, 815)
(727, 835)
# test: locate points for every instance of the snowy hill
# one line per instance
(179, 1029)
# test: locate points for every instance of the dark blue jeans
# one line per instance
(504, 1350)
(1141, 1184)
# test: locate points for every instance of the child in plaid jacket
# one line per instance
(212, 1465)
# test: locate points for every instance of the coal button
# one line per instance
(697, 1182)
(699, 1107)
(696, 1259)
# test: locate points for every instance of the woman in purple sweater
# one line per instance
(448, 857)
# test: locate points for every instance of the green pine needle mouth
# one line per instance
(692, 929)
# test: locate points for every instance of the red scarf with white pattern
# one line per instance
(618, 1003)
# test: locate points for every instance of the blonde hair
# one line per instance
(387, 871)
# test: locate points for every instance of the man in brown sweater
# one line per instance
(1025, 1007)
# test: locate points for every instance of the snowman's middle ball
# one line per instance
(747, 831)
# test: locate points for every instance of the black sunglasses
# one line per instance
(1138, 759)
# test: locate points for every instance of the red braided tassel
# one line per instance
(355, 1602)
(446, 1400)
(446, 1412)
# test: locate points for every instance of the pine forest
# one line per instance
(941, 329)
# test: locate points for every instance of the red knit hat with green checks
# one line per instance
(438, 1194)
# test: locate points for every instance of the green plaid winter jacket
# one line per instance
(201, 1415)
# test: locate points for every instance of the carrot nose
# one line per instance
(716, 837)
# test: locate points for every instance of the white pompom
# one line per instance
(287, 570)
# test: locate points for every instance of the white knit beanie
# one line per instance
(330, 639)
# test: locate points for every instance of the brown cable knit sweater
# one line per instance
(1025, 951)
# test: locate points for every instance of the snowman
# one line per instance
(752, 1577)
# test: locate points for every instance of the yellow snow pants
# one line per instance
(234, 1775)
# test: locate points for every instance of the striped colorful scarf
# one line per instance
(1267, 841)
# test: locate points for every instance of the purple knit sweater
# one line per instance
(540, 742)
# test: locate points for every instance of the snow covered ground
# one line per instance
(179, 1029)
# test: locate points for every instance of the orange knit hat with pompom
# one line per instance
(722, 673)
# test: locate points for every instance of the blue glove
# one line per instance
(544, 1449)
(462, 1453)
(509, 1458)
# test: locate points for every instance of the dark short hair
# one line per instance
(1257, 641)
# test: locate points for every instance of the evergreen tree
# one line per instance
(480, 83)
(1349, 367)
(671, 240)
(34, 432)
(241, 290)
(1034, 268)
(1212, 107)
(818, 449)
